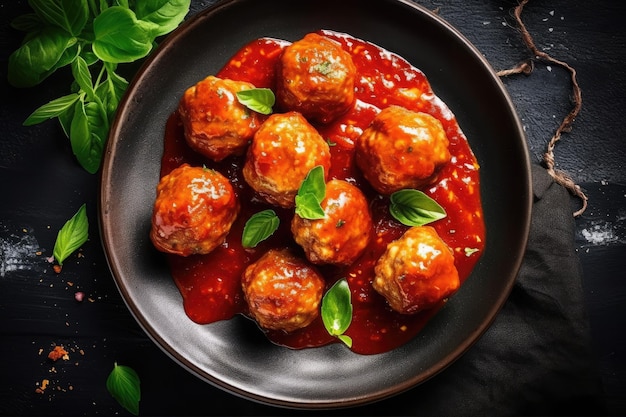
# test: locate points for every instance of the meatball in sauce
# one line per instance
(215, 123)
(283, 151)
(193, 212)
(278, 159)
(400, 149)
(316, 78)
(416, 272)
(345, 231)
(283, 291)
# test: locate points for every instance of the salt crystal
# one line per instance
(18, 253)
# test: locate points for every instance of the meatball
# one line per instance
(341, 236)
(214, 122)
(283, 291)
(416, 272)
(283, 151)
(401, 149)
(193, 212)
(316, 77)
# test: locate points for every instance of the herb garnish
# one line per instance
(259, 227)
(310, 195)
(323, 68)
(337, 311)
(470, 251)
(124, 385)
(72, 235)
(87, 36)
(260, 100)
(414, 208)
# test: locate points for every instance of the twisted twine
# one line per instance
(526, 68)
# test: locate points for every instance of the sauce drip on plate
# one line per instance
(211, 285)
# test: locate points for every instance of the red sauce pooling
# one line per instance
(210, 284)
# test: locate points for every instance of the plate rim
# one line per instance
(113, 261)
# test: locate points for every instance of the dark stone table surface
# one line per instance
(41, 186)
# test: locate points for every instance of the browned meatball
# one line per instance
(194, 210)
(401, 149)
(416, 272)
(283, 151)
(341, 236)
(215, 123)
(283, 292)
(316, 77)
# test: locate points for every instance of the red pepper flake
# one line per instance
(57, 353)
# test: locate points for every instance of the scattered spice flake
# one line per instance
(79, 296)
(58, 353)
(44, 384)
(57, 268)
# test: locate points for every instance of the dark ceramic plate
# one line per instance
(233, 354)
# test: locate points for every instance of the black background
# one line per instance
(41, 186)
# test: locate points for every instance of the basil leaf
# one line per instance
(345, 339)
(124, 385)
(65, 119)
(308, 207)
(260, 100)
(52, 109)
(72, 235)
(69, 55)
(81, 73)
(111, 90)
(314, 183)
(337, 310)
(84, 33)
(166, 14)
(29, 22)
(70, 15)
(87, 136)
(120, 37)
(259, 227)
(36, 59)
(414, 208)
(311, 194)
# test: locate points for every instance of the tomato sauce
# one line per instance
(210, 284)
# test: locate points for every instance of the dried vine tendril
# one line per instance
(526, 67)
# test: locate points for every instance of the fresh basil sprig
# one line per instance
(337, 311)
(259, 227)
(124, 385)
(260, 100)
(414, 208)
(92, 38)
(72, 235)
(310, 195)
